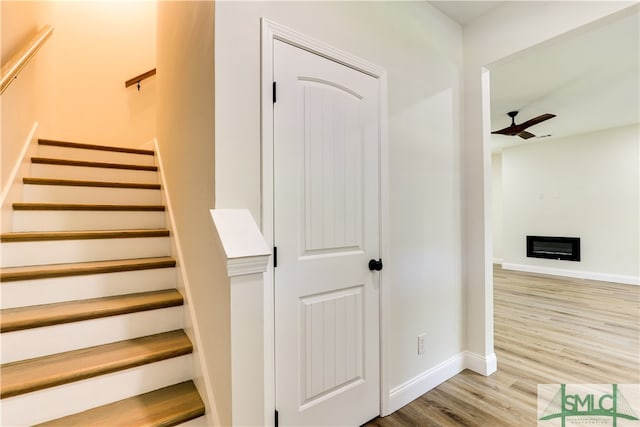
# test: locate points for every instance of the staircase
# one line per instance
(91, 322)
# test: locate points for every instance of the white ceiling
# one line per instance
(590, 79)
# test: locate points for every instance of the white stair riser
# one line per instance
(69, 153)
(36, 342)
(86, 220)
(39, 170)
(43, 405)
(18, 254)
(33, 193)
(47, 291)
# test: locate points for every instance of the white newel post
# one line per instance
(247, 257)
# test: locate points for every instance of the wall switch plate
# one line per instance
(421, 340)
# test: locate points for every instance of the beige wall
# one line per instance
(74, 88)
(21, 105)
(185, 134)
(99, 45)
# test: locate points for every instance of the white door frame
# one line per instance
(272, 31)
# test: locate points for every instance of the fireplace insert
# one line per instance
(562, 248)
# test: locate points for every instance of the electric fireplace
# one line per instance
(562, 248)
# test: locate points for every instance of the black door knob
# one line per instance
(375, 265)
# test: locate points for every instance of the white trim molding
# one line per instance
(12, 190)
(246, 250)
(410, 390)
(272, 31)
(576, 274)
(483, 365)
(247, 259)
(26, 146)
(420, 384)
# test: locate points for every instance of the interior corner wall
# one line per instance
(421, 50)
(186, 135)
(505, 30)
(585, 186)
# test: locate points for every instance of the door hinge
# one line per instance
(275, 418)
(275, 256)
(274, 92)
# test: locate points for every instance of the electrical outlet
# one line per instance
(421, 340)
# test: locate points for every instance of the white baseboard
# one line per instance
(420, 384)
(604, 277)
(497, 260)
(417, 386)
(483, 365)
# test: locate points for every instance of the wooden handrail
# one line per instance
(138, 79)
(18, 61)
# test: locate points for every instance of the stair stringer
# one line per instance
(12, 192)
(200, 368)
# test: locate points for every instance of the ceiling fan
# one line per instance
(519, 130)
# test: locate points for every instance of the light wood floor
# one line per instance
(548, 330)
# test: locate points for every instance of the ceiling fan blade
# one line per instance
(511, 130)
(535, 121)
(525, 135)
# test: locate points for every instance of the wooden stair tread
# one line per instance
(68, 144)
(21, 206)
(48, 371)
(38, 236)
(65, 162)
(85, 183)
(167, 406)
(19, 318)
(83, 268)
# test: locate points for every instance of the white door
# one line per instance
(326, 230)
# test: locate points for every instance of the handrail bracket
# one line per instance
(137, 79)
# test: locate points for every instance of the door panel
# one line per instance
(331, 344)
(333, 169)
(326, 228)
